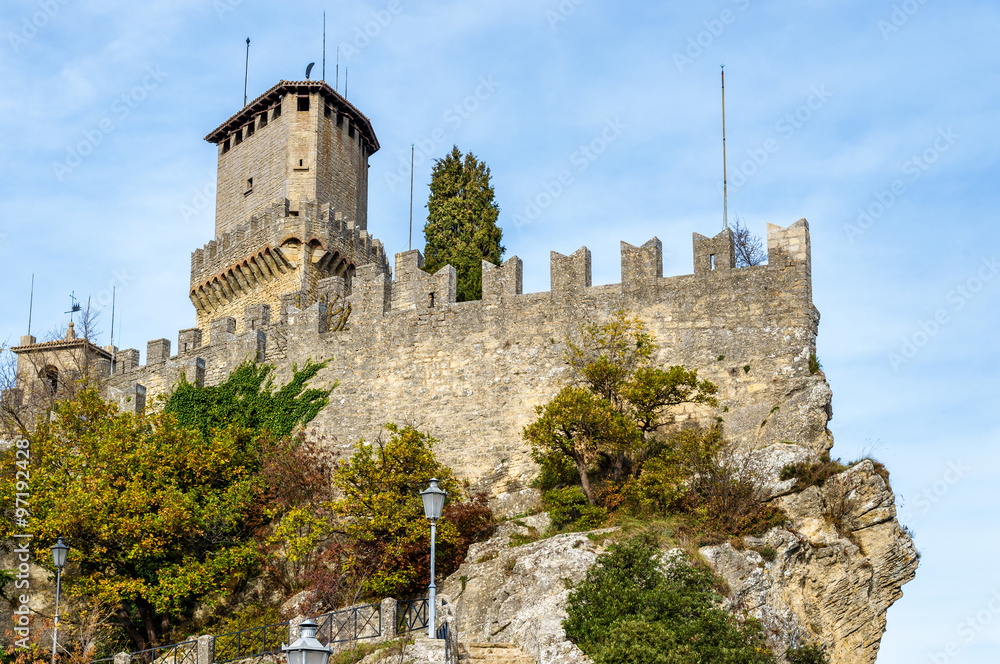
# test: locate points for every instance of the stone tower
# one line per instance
(291, 205)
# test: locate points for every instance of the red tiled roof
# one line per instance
(282, 88)
(60, 344)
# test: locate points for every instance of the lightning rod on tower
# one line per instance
(725, 194)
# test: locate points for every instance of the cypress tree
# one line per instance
(461, 228)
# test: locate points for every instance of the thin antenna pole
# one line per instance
(411, 196)
(113, 330)
(347, 74)
(113, 315)
(324, 44)
(337, 86)
(31, 302)
(246, 74)
(725, 193)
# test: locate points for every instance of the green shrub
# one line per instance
(812, 474)
(628, 609)
(814, 364)
(568, 509)
(810, 654)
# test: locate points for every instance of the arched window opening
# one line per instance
(50, 377)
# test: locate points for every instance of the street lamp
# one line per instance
(433, 504)
(307, 649)
(59, 551)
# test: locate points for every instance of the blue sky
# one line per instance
(834, 109)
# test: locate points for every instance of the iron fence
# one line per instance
(359, 622)
(411, 615)
(352, 624)
(442, 633)
(178, 653)
(253, 642)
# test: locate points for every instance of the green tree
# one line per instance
(634, 608)
(461, 228)
(609, 421)
(159, 508)
(381, 511)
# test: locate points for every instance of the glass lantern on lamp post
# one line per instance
(307, 649)
(59, 552)
(433, 504)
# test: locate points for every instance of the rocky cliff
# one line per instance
(827, 576)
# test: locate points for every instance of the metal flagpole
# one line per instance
(246, 74)
(725, 193)
(411, 197)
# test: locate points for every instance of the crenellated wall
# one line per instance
(277, 252)
(470, 373)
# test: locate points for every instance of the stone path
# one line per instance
(492, 653)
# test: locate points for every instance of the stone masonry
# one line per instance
(293, 274)
(470, 373)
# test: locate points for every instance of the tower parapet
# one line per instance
(291, 203)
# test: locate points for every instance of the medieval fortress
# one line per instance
(294, 274)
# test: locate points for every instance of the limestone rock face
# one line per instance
(828, 577)
(518, 595)
(836, 569)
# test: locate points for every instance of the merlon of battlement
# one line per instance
(569, 274)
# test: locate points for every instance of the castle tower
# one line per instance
(53, 369)
(291, 204)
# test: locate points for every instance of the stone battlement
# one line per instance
(470, 372)
(281, 250)
(376, 294)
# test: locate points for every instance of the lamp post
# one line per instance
(433, 504)
(59, 551)
(307, 649)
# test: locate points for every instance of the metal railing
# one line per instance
(442, 633)
(351, 624)
(355, 623)
(411, 614)
(253, 642)
(178, 653)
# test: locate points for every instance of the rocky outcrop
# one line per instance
(518, 595)
(828, 576)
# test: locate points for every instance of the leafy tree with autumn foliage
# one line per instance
(461, 228)
(159, 508)
(375, 530)
(607, 423)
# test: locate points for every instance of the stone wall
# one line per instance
(276, 252)
(315, 154)
(263, 157)
(470, 373)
